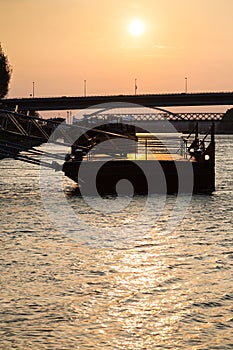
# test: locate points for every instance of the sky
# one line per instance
(59, 44)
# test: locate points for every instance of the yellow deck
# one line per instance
(155, 156)
(133, 156)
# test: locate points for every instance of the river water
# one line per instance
(156, 289)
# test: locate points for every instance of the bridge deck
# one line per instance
(147, 100)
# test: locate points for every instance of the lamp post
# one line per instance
(33, 89)
(135, 86)
(85, 88)
(186, 85)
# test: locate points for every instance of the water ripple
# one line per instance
(157, 292)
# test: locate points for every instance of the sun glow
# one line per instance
(136, 27)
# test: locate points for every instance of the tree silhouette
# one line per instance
(5, 73)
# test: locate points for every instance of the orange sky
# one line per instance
(60, 43)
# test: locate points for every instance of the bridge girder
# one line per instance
(150, 117)
(149, 100)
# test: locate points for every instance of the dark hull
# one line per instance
(146, 176)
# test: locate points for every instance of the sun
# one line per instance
(136, 27)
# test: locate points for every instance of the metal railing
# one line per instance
(149, 117)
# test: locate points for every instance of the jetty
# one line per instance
(150, 162)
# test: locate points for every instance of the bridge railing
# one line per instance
(145, 146)
(149, 117)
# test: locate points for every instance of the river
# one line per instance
(150, 288)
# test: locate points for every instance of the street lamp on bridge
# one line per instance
(135, 86)
(186, 85)
(33, 90)
(85, 88)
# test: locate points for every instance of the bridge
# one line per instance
(147, 100)
(151, 117)
(183, 122)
